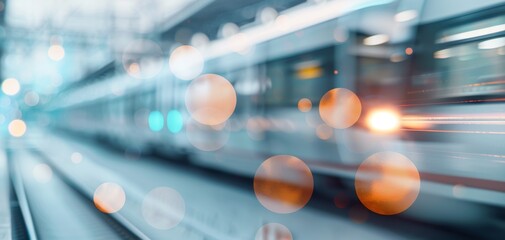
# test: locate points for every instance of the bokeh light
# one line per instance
(199, 40)
(207, 138)
(283, 184)
(409, 51)
(211, 99)
(358, 214)
(155, 121)
(143, 59)
(175, 122)
(10, 86)
(133, 69)
(42, 173)
(324, 132)
(228, 30)
(163, 208)
(341, 34)
(17, 128)
(109, 197)
(31, 98)
(341, 200)
(340, 108)
(56, 52)
(387, 183)
(267, 15)
(458, 190)
(273, 231)
(304, 105)
(186, 62)
(76, 157)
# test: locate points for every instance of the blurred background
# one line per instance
(252, 119)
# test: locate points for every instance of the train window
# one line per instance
(376, 55)
(381, 67)
(248, 81)
(248, 84)
(466, 58)
(308, 75)
(378, 76)
(463, 70)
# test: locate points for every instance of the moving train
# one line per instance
(429, 76)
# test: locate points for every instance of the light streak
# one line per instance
(459, 122)
(453, 131)
(454, 102)
(497, 82)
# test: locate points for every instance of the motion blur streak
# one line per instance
(454, 102)
(453, 131)
(252, 119)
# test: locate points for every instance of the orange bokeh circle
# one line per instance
(109, 197)
(283, 184)
(304, 105)
(273, 231)
(340, 108)
(387, 183)
(211, 99)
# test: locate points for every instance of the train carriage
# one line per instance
(418, 74)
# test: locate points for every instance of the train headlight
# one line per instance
(383, 120)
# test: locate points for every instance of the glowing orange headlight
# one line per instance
(383, 120)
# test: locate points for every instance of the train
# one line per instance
(428, 74)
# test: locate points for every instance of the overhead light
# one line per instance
(442, 54)
(472, 34)
(492, 44)
(376, 40)
(405, 16)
